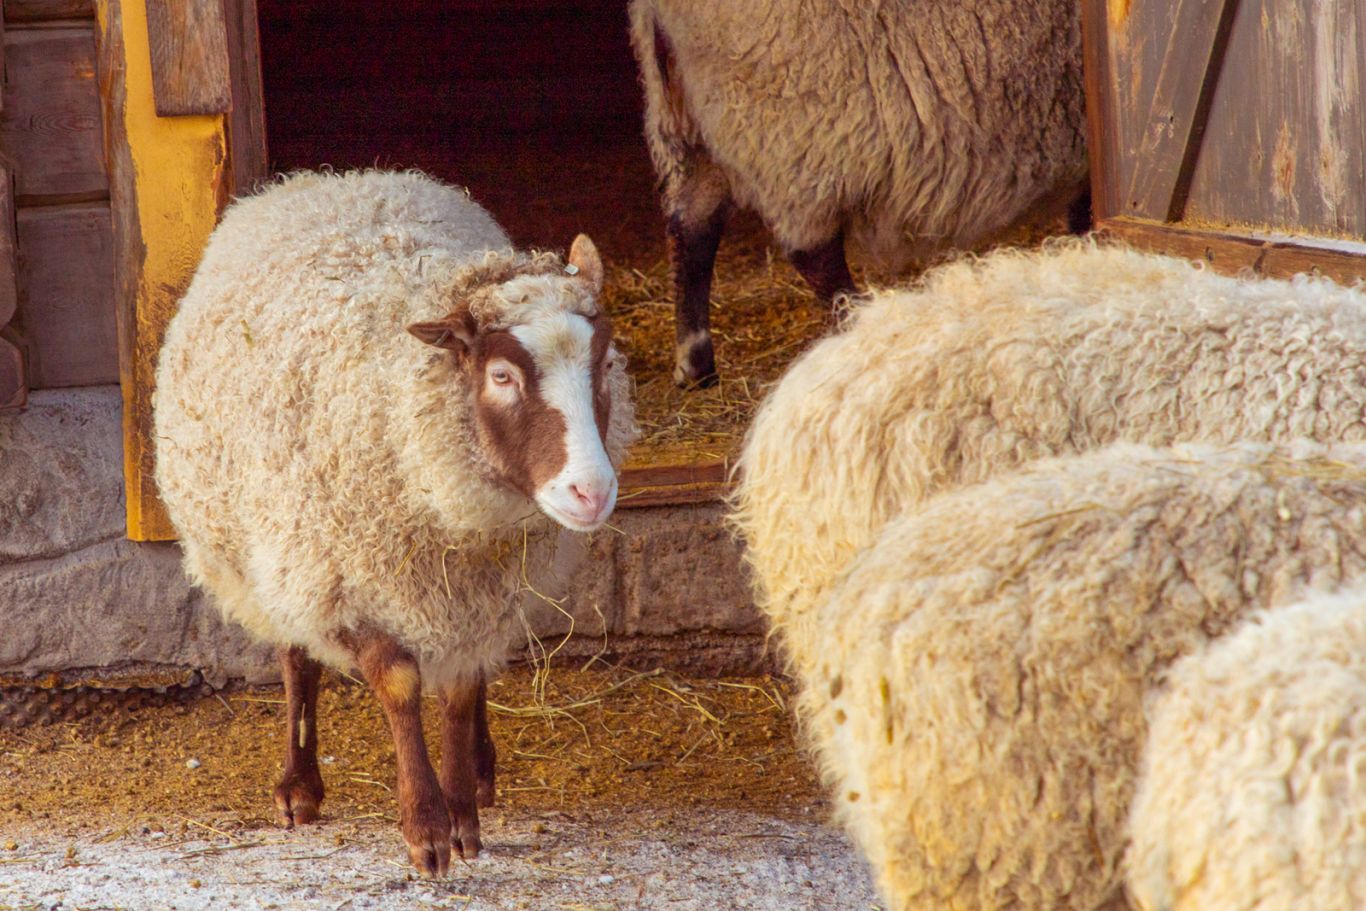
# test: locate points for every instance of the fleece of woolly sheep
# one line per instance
(318, 463)
(978, 703)
(990, 362)
(1251, 796)
(908, 124)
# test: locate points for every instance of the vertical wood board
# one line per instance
(189, 50)
(66, 299)
(247, 123)
(1286, 145)
(50, 125)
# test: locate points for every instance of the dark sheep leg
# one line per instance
(486, 756)
(460, 764)
(825, 268)
(300, 791)
(696, 222)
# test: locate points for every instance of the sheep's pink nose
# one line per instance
(591, 497)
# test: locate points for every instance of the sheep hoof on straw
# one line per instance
(978, 696)
(903, 126)
(1250, 795)
(364, 398)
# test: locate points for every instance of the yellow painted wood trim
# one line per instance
(177, 189)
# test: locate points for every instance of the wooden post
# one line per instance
(168, 181)
(189, 52)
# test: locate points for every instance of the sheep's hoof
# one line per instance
(695, 363)
(465, 836)
(428, 835)
(297, 798)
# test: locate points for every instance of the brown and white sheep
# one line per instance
(362, 401)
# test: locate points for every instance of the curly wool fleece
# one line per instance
(978, 700)
(1251, 796)
(909, 124)
(990, 362)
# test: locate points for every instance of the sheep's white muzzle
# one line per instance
(581, 502)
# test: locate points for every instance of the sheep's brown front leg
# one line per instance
(300, 791)
(460, 763)
(486, 757)
(825, 268)
(393, 674)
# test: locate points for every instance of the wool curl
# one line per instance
(989, 362)
(909, 125)
(978, 703)
(320, 464)
(1251, 795)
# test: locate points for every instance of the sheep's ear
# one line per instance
(451, 334)
(586, 263)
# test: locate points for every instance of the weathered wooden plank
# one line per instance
(247, 151)
(189, 46)
(1188, 70)
(1232, 253)
(66, 300)
(1284, 146)
(167, 186)
(9, 245)
(50, 125)
(41, 10)
(1100, 109)
(704, 481)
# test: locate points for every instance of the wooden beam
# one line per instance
(1100, 117)
(1233, 253)
(1170, 143)
(42, 10)
(674, 484)
(167, 184)
(247, 123)
(189, 50)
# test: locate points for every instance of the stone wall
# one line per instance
(80, 601)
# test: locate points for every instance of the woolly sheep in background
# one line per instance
(1252, 795)
(903, 126)
(991, 362)
(978, 700)
(361, 498)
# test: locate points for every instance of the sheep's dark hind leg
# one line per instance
(300, 791)
(486, 756)
(696, 222)
(460, 763)
(825, 268)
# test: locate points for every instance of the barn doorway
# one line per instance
(535, 106)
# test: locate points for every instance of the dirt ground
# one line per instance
(616, 790)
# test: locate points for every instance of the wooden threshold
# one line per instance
(674, 483)
(1274, 255)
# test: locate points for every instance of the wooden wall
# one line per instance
(52, 135)
(1233, 130)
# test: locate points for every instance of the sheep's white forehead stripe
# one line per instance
(562, 348)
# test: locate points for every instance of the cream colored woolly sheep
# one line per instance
(361, 498)
(978, 701)
(1252, 795)
(988, 363)
(904, 125)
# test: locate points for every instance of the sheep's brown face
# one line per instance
(540, 396)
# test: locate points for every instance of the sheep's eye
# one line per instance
(501, 376)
